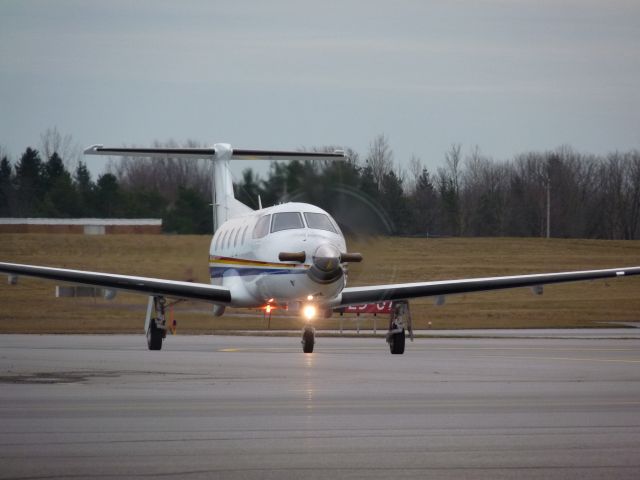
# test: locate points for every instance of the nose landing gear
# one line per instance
(308, 339)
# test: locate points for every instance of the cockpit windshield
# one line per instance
(319, 221)
(262, 226)
(286, 221)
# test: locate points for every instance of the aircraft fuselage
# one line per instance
(245, 250)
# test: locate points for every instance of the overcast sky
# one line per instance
(506, 75)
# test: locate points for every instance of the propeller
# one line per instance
(302, 256)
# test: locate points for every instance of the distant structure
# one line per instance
(86, 226)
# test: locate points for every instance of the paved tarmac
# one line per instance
(78, 406)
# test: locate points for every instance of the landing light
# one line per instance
(309, 311)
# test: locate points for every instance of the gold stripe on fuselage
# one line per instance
(215, 261)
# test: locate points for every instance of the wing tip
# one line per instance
(93, 149)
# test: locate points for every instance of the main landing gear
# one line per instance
(156, 326)
(399, 319)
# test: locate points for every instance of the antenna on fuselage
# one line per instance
(259, 203)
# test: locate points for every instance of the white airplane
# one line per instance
(291, 256)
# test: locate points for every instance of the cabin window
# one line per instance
(244, 234)
(319, 221)
(286, 221)
(262, 226)
(235, 238)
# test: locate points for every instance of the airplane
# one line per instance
(289, 256)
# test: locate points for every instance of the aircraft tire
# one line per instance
(308, 341)
(154, 337)
(396, 345)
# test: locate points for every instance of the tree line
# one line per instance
(561, 192)
(47, 187)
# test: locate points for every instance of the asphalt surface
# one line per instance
(257, 407)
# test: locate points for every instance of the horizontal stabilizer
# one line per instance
(152, 152)
(219, 150)
(242, 154)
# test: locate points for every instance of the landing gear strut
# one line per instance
(399, 319)
(156, 325)
(308, 339)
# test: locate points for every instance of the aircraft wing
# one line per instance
(405, 291)
(143, 285)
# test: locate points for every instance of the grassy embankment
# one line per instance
(31, 306)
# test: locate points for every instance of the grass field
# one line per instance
(31, 307)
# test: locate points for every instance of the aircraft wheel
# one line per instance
(308, 340)
(154, 336)
(396, 343)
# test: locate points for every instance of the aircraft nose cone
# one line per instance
(325, 267)
(326, 258)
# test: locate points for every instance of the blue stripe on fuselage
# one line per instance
(219, 272)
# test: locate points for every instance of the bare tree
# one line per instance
(484, 195)
(633, 195)
(415, 170)
(380, 158)
(619, 194)
(569, 176)
(52, 141)
(526, 196)
(449, 188)
(165, 175)
(453, 160)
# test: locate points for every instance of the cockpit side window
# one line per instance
(319, 221)
(286, 221)
(262, 226)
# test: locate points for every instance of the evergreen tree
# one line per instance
(54, 169)
(5, 170)
(190, 214)
(108, 197)
(60, 198)
(424, 205)
(394, 201)
(342, 172)
(6, 188)
(29, 184)
(86, 190)
(148, 203)
(368, 184)
(248, 190)
(275, 186)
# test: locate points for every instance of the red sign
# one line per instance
(382, 307)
